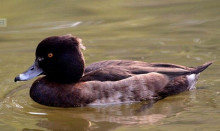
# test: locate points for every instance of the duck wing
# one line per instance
(129, 63)
(111, 73)
(116, 71)
(113, 63)
(169, 69)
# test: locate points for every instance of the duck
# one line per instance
(67, 82)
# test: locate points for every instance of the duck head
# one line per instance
(59, 58)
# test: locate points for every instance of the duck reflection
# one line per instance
(111, 116)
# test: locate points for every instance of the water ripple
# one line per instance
(36, 27)
(68, 25)
(37, 113)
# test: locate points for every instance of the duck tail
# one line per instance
(201, 68)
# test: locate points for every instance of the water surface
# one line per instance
(184, 32)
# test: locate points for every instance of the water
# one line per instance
(175, 31)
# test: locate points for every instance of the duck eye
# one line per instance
(50, 55)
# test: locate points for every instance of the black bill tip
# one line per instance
(17, 79)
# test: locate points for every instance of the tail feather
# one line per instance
(201, 68)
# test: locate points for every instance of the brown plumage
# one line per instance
(66, 84)
(113, 70)
(136, 88)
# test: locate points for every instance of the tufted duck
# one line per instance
(67, 83)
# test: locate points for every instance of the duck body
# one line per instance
(67, 84)
(136, 88)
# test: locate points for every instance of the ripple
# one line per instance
(67, 25)
(191, 22)
(37, 113)
(38, 27)
(16, 104)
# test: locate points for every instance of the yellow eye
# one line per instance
(50, 55)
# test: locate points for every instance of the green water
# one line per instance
(175, 31)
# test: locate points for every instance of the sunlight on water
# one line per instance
(184, 32)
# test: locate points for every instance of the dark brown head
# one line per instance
(59, 58)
